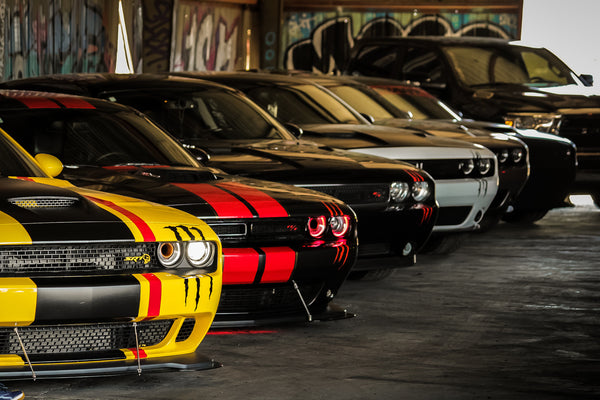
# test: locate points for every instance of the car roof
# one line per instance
(37, 100)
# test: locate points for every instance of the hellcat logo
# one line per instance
(145, 258)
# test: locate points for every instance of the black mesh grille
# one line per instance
(271, 229)
(186, 330)
(80, 258)
(65, 339)
(267, 299)
(43, 202)
(452, 215)
(356, 194)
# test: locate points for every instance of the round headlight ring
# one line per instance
(340, 225)
(467, 166)
(399, 191)
(503, 156)
(484, 165)
(317, 226)
(169, 253)
(420, 191)
(517, 155)
(200, 253)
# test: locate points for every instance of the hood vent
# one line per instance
(43, 202)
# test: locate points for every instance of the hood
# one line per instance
(201, 193)
(32, 212)
(305, 162)
(492, 101)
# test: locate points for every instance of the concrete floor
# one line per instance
(513, 314)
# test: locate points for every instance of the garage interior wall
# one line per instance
(40, 37)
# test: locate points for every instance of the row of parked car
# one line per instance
(279, 187)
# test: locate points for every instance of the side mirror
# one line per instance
(200, 154)
(50, 164)
(368, 117)
(588, 79)
(294, 130)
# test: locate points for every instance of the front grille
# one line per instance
(452, 215)
(59, 340)
(582, 129)
(448, 169)
(267, 299)
(77, 258)
(43, 202)
(272, 230)
(356, 193)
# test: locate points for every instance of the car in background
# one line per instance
(93, 283)
(466, 174)
(512, 153)
(501, 81)
(286, 250)
(395, 202)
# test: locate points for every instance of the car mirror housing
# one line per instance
(588, 79)
(50, 164)
(294, 130)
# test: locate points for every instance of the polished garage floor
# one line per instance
(514, 314)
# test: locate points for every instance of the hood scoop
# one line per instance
(37, 202)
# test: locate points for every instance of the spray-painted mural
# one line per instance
(205, 37)
(322, 41)
(55, 37)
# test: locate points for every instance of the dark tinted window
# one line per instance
(13, 162)
(421, 65)
(376, 60)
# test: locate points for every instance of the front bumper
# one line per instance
(463, 202)
(92, 323)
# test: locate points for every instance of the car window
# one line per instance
(92, 137)
(417, 102)
(376, 60)
(421, 65)
(302, 104)
(203, 115)
(361, 102)
(12, 160)
(478, 66)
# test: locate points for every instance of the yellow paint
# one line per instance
(11, 360)
(18, 297)
(144, 296)
(12, 232)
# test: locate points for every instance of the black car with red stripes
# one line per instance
(286, 250)
(394, 201)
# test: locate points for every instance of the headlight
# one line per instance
(399, 191)
(200, 254)
(502, 156)
(543, 122)
(340, 225)
(467, 166)
(317, 226)
(420, 191)
(517, 155)
(484, 165)
(169, 254)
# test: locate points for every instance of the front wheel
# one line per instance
(524, 216)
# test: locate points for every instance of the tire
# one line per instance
(371, 275)
(443, 244)
(524, 217)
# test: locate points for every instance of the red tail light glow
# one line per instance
(317, 226)
(340, 225)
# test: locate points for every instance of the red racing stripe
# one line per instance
(147, 233)
(265, 205)
(36, 101)
(74, 102)
(135, 354)
(239, 266)
(279, 264)
(155, 295)
(225, 204)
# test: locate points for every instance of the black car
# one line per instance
(551, 159)
(395, 202)
(286, 250)
(500, 81)
(466, 174)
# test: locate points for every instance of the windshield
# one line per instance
(95, 137)
(366, 103)
(418, 103)
(482, 66)
(13, 161)
(302, 104)
(205, 116)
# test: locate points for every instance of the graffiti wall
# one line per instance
(321, 41)
(60, 36)
(205, 36)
